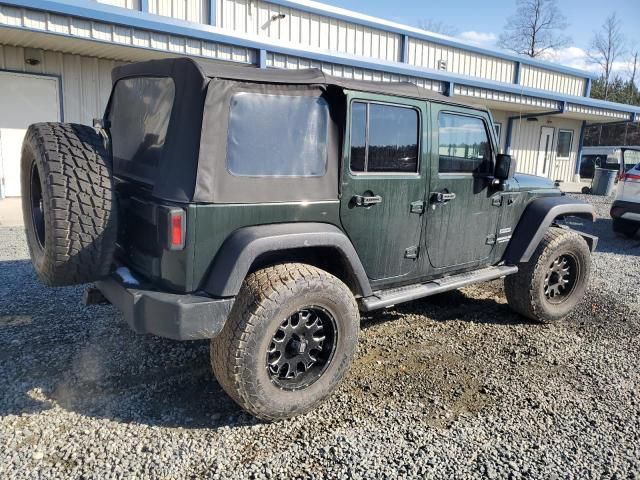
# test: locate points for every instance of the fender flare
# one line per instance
(537, 218)
(234, 259)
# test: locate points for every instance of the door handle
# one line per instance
(366, 201)
(442, 197)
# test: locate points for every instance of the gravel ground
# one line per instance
(452, 386)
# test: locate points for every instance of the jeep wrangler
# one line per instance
(265, 209)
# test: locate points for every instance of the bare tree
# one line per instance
(437, 26)
(633, 68)
(535, 29)
(607, 46)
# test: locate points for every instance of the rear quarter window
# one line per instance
(139, 116)
(277, 135)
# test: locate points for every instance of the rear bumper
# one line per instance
(179, 317)
(620, 208)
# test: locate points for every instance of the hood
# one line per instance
(533, 182)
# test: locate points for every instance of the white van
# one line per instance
(625, 210)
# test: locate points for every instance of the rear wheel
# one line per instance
(288, 342)
(67, 204)
(549, 286)
(625, 227)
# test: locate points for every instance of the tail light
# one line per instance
(173, 224)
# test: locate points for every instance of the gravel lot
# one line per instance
(452, 386)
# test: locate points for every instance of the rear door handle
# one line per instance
(441, 197)
(366, 201)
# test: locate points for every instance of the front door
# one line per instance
(383, 188)
(464, 207)
(545, 150)
(25, 99)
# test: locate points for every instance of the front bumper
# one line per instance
(620, 208)
(168, 315)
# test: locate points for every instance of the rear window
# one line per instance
(277, 135)
(139, 114)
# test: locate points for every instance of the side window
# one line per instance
(464, 145)
(277, 135)
(384, 138)
(565, 139)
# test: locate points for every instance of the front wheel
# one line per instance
(550, 285)
(288, 342)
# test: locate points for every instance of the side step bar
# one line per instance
(393, 296)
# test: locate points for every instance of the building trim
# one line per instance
(213, 18)
(144, 6)
(143, 21)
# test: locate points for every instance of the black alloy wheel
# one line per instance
(37, 206)
(302, 348)
(560, 279)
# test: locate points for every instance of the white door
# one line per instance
(24, 99)
(545, 151)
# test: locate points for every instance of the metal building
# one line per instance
(56, 57)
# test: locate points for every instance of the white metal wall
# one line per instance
(428, 55)
(131, 4)
(543, 79)
(526, 141)
(196, 11)
(86, 81)
(291, 62)
(259, 18)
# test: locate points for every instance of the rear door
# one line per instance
(463, 211)
(383, 183)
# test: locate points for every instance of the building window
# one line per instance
(384, 138)
(565, 139)
(464, 145)
(277, 135)
(498, 128)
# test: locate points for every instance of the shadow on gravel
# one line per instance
(454, 305)
(608, 242)
(55, 351)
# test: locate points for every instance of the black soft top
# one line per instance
(191, 165)
(191, 69)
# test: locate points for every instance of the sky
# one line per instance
(480, 22)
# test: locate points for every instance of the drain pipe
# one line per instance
(510, 120)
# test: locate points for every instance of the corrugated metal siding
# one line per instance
(196, 11)
(485, 94)
(526, 141)
(534, 77)
(290, 62)
(131, 4)
(86, 81)
(427, 55)
(306, 29)
(120, 35)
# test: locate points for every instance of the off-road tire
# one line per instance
(267, 297)
(525, 289)
(76, 241)
(625, 227)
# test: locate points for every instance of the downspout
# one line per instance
(583, 129)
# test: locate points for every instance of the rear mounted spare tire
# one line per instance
(68, 203)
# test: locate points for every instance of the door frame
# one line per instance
(551, 148)
(60, 89)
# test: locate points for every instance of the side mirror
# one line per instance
(505, 167)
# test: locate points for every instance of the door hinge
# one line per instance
(412, 253)
(417, 207)
(491, 240)
(497, 201)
